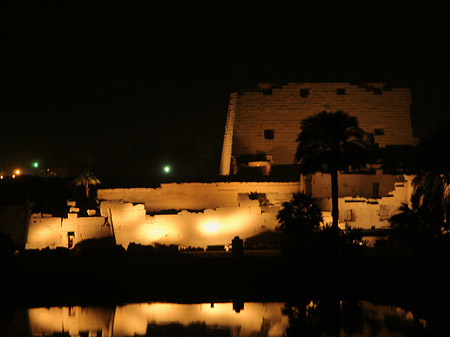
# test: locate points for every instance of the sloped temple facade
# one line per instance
(264, 122)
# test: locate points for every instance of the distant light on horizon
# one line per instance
(35, 164)
(166, 169)
(17, 172)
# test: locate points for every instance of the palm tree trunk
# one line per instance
(334, 199)
(87, 189)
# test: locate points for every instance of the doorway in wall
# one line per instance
(70, 236)
(375, 190)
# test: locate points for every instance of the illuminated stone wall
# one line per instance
(53, 232)
(209, 214)
(382, 111)
(199, 196)
(362, 212)
(351, 185)
(195, 229)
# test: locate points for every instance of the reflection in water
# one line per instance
(350, 318)
(72, 320)
(131, 319)
(332, 317)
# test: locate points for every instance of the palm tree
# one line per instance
(329, 142)
(299, 219)
(408, 226)
(432, 182)
(432, 194)
(86, 179)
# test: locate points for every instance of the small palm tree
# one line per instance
(86, 178)
(329, 142)
(299, 219)
(408, 226)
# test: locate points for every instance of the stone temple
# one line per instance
(260, 136)
(263, 123)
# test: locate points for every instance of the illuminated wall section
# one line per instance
(361, 185)
(239, 216)
(44, 232)
(361, 212)
(198, 196)
(197, 229)
(54, 232)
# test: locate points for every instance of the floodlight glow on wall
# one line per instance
(211, 227)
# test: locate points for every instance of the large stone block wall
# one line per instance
(199, 196)
(207, 214)
(281, 108)
(351, 185)
(366, 213)
(195, 229)
(53, 232)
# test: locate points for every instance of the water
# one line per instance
(344, 318)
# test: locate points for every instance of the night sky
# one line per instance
(128, 88)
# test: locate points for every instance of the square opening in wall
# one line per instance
(379, 132)
(269, 134)
(304, 93)
(377, 91)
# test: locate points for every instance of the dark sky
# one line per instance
(125, 88)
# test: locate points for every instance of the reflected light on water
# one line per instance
(132, 319)
(237, 319)
(74, 320)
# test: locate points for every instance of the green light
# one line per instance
(166, 169)
(35, 164)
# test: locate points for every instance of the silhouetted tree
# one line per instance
(299, 219)
(432, 196)
(86, 178)
(420, 224)
(432, 183)
(408, 227)
(329, 142)
(430, 200)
